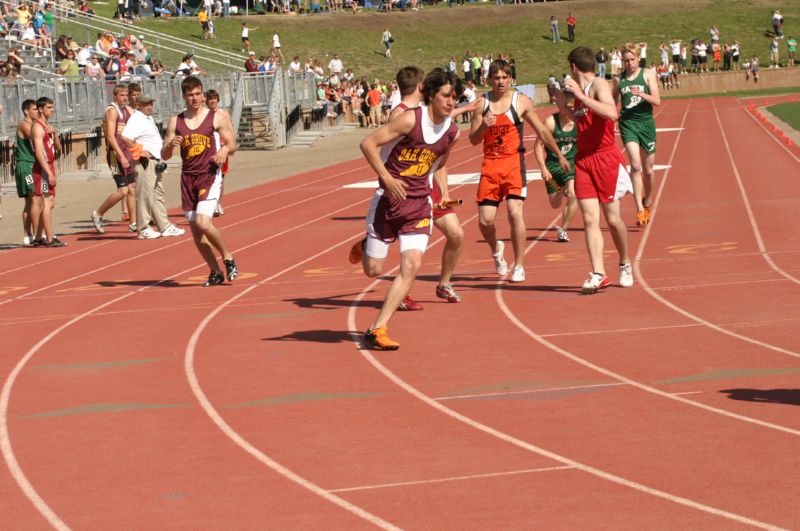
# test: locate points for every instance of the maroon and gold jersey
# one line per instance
(198, 146)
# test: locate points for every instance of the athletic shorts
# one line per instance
(41, 186)
(676, 59)
(703, 59)
(602, 175)
(121, 176)
(199, 193)
(559, 176)
(436, 196)
(245, 39)
(641, 131)
(23, 175)
(502, 178)
(389, 218)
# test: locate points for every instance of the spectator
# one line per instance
(94, 69)
(202, 17)
(88, 11)
(387, 40)
(467, 68)
(716, 55)
(13, 64)
(251, 65)
(735, 54)
(777, 23)
(83, 55)
(602, 59)
(69, 67)
(714, 33)
(791, 46)
(643, 54)
(571, 21)
(554, 29)
(276, 46)
(374, 102)
(616, 62)
(335, 65)
(726, 57)
(774, 60)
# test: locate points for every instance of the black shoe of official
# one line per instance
(231, 269)
(41, 242)
(215, 278)
(55, 242)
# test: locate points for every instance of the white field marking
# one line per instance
(650, 291)
(474, 178)
(454, 478)
(54, 257)
(687, 393)
(5, 439)
(712, 284)
(351, 323)
(762, 248)
(527, 391)
(773, 137)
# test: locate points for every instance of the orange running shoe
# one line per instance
(357, 251)
(641, 218)
(378, 339)
(647, 214)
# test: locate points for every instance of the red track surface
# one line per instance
(133, 398)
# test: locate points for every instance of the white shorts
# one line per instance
(204, 208)
(379, 249)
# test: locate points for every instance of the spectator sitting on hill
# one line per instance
(86, 9)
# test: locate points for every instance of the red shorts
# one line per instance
(602, 175)
(41, 186)
(503, 178)
(436, 197)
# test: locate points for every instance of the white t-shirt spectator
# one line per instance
(294, 67)
(466, 65)
(701, 49)
(675, 47)
(469, 94)
(276, 41)
(142, 130)
(335, 66)
(82, 57)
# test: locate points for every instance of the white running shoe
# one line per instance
(626, 275)
(132, 227)
(149, 234)
(98, 222)
(519, 274)
(500, 264)
(172, 230)
(562, 235)
(595, 282)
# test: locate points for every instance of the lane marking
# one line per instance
(454, 478)
(529, 391)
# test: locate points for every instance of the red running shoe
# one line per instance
(410, 305)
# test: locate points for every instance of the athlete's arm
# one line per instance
(480, 122)
(225, 130)
(111, 136)
(56, 142)
(599, 100)
(542, 133)
(654, 98)
(538, 149)
(370, 147)
(37, 139)
(171, 140)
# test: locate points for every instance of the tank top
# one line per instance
(49, 147)
(634, 107)
(567, 142)
(23, 150)
(504, 138)
(416, 156)
(595, 133)
(122, 119)
(199, 145)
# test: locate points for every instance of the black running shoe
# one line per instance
(55, 242)
(231, 269)
(41, 242)
(215, 278)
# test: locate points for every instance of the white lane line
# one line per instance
(650, 291)
(60, 254)
(455, 478)
(762, 248)
(528, 391)
(665, 327)
(687, 393)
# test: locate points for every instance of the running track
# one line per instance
(133, 398)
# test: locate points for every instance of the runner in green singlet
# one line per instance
(23, 172)
(559, 183)
(637, 89)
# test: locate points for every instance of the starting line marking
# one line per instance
(455, 179)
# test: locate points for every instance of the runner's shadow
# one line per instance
(7, 246)
(103, 237)
(331, 303)
(144, 283)
(772, 396)
(316, 336)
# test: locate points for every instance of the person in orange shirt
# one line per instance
(374, 102)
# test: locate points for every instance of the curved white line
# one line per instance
(650, 291)
(762, 248)
(54, 257)
(786, 149)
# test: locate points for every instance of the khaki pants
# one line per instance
(150, 198)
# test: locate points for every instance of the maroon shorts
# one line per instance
(602, 175)
(388, 218)
(196, 188)
(436, 197)
(41, 186)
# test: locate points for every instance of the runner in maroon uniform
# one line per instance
(402, 208)
(46, 146)
(193, 132)
(600, 174)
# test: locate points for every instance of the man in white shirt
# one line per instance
(141, 134)
(335, 65)
(294, 66)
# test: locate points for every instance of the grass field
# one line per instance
(428, 38)
(788, 112)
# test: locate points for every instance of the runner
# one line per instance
(637, 89)
(212, 102)
(401, 210)
(119, 160)
(600, 175)
(193, 132)
(23, 173)
(46, 148)
(558, 183)
(499, 127)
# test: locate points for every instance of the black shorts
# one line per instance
(703, 59)
(676, 58)
(695, 60)
(245, 39)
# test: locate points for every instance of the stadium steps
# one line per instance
(254, 130)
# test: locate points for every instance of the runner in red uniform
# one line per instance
(503, 175)
(46, 147)
(600, 174)
(193, 132)
(421, 140)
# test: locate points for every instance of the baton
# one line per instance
(447, 204)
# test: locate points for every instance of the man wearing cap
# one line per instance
(144, 140)
(251, 64)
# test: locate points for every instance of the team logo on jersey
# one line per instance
(424, 159)
(425, 222)
(196, 144)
